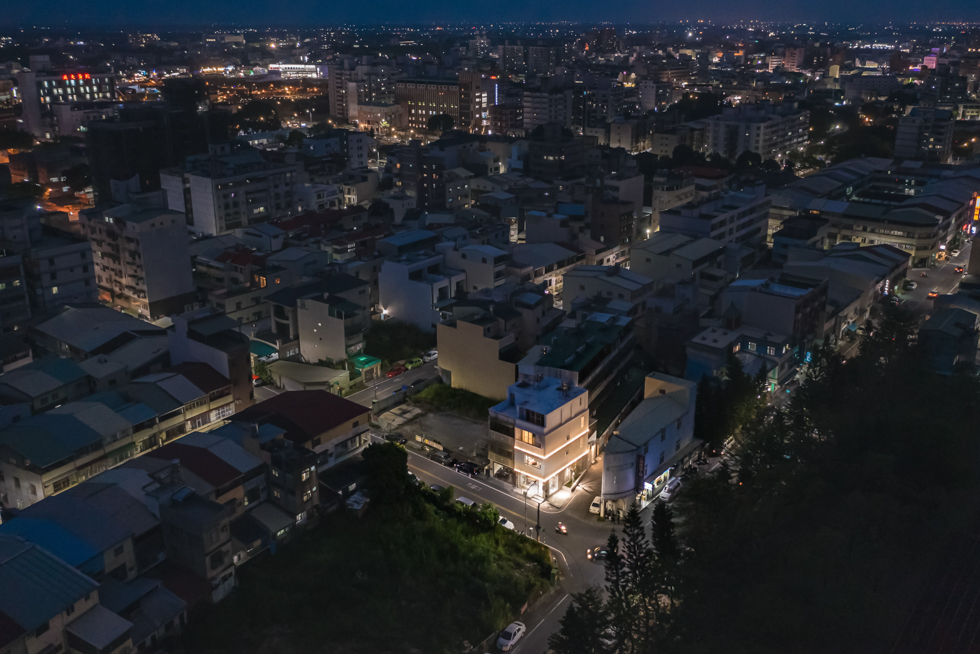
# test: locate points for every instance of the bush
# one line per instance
(394, 340)
(440, 397)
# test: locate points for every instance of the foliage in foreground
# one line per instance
(419, 573)
(395, 340)
(440, 397)
(823, 531)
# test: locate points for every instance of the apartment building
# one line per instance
(671, 258)
(732, 217)
(227, 188)
(771, 131)
(142, 259)
(611, 282)
(424, 98)
(542, 431)
(925, 134)
(545, 263)
(544, 107)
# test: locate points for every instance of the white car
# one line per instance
(955, 253)
(509, 636)
(596, 505)
(431, 355)
(507, 524)
(670, 490)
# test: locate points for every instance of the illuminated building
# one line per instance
(40, 87)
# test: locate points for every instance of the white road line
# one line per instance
(541, 621)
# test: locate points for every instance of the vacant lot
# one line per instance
(416, 576)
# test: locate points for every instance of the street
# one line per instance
(942, 279)
(584, 531)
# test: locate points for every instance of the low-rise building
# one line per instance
(418, 287)
(542, 430)
(731, 217)
(651, 444)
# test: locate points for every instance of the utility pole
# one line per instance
(525, 511)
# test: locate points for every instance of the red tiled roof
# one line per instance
(241, 258)
(202, 462)
(303, 414)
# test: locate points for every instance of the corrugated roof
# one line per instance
(36, 585)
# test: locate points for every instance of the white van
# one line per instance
(465, 501)
(670, 490)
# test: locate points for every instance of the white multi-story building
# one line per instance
(142, 259)
(545, 422)
(771, 131)
(544, 107)
(40, 87)
(231, 188)
(730, 217)
(417, 287)
(653, 439)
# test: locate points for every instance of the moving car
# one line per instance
(509, 636)
(431, 355)
(596, 505)
(933, 295)
(958, 269)
(394, 372)
(955, 253)
(670, 490)
(597, 553)
(413, 363)
(468, 468)
(507, 524)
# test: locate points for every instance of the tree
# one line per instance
(440, 123)
(621, 610)
(386, 465)
(261, 369)
(489, 515)
(13, 139)
(638, 560)
(664, 539)
(748, 160)
(584, 625)
(770, 167)
(295, 138)
(684, 155)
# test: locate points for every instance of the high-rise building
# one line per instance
(357, 82)
(40, 86)
(925, 134)
(231, 187)
(771, 131)
(142, 258)
(424, 98)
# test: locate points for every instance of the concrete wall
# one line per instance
(472, 360)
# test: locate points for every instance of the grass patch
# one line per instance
(417, 576)
(440, 397)
(394, 340)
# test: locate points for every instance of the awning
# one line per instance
(852, 327)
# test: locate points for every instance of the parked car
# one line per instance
(394, 372)
(468, 468)
(419, 382)
(597, 553)
(596, 505)
(431, 355)
(507, 524)
(413, 363)
(467, 502)
(955, 253)
(436, 488)
(910, 285)
(509, 636)
(443, 457)
(413, 479)
(670, 490)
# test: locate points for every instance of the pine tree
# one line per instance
(665, 545)
(641, 587)
(583, 626)
(622, 612)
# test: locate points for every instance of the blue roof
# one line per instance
(36, 585)
(406, 238)
(53, 537)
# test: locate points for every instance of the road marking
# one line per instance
(541, 621)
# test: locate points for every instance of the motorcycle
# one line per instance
(923, 275)
(561, 529)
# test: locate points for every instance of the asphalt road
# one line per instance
(942, 279)
(584, 531)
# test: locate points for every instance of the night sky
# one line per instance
(258, 13)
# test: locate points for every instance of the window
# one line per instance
(771, 350)
(33, 490)
(526, 436)
(751, 346)
(119, 550)
(677, 445)
(42, 628)
(217, 559)
(16, 482)
(661, 457)
(70, 610)
(663, 434)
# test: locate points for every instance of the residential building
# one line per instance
(424, 98)
(739, 217)
(483, 265)
(544, 107)
(417, 287)
(334, 428)
(771, 131)
(708, 352)
(925, 134)
(949, 340)
(542, 430)
(607, 281)
(142, 259)
(226, 189)
(545, 263)
(652, 442)
(669, 258)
